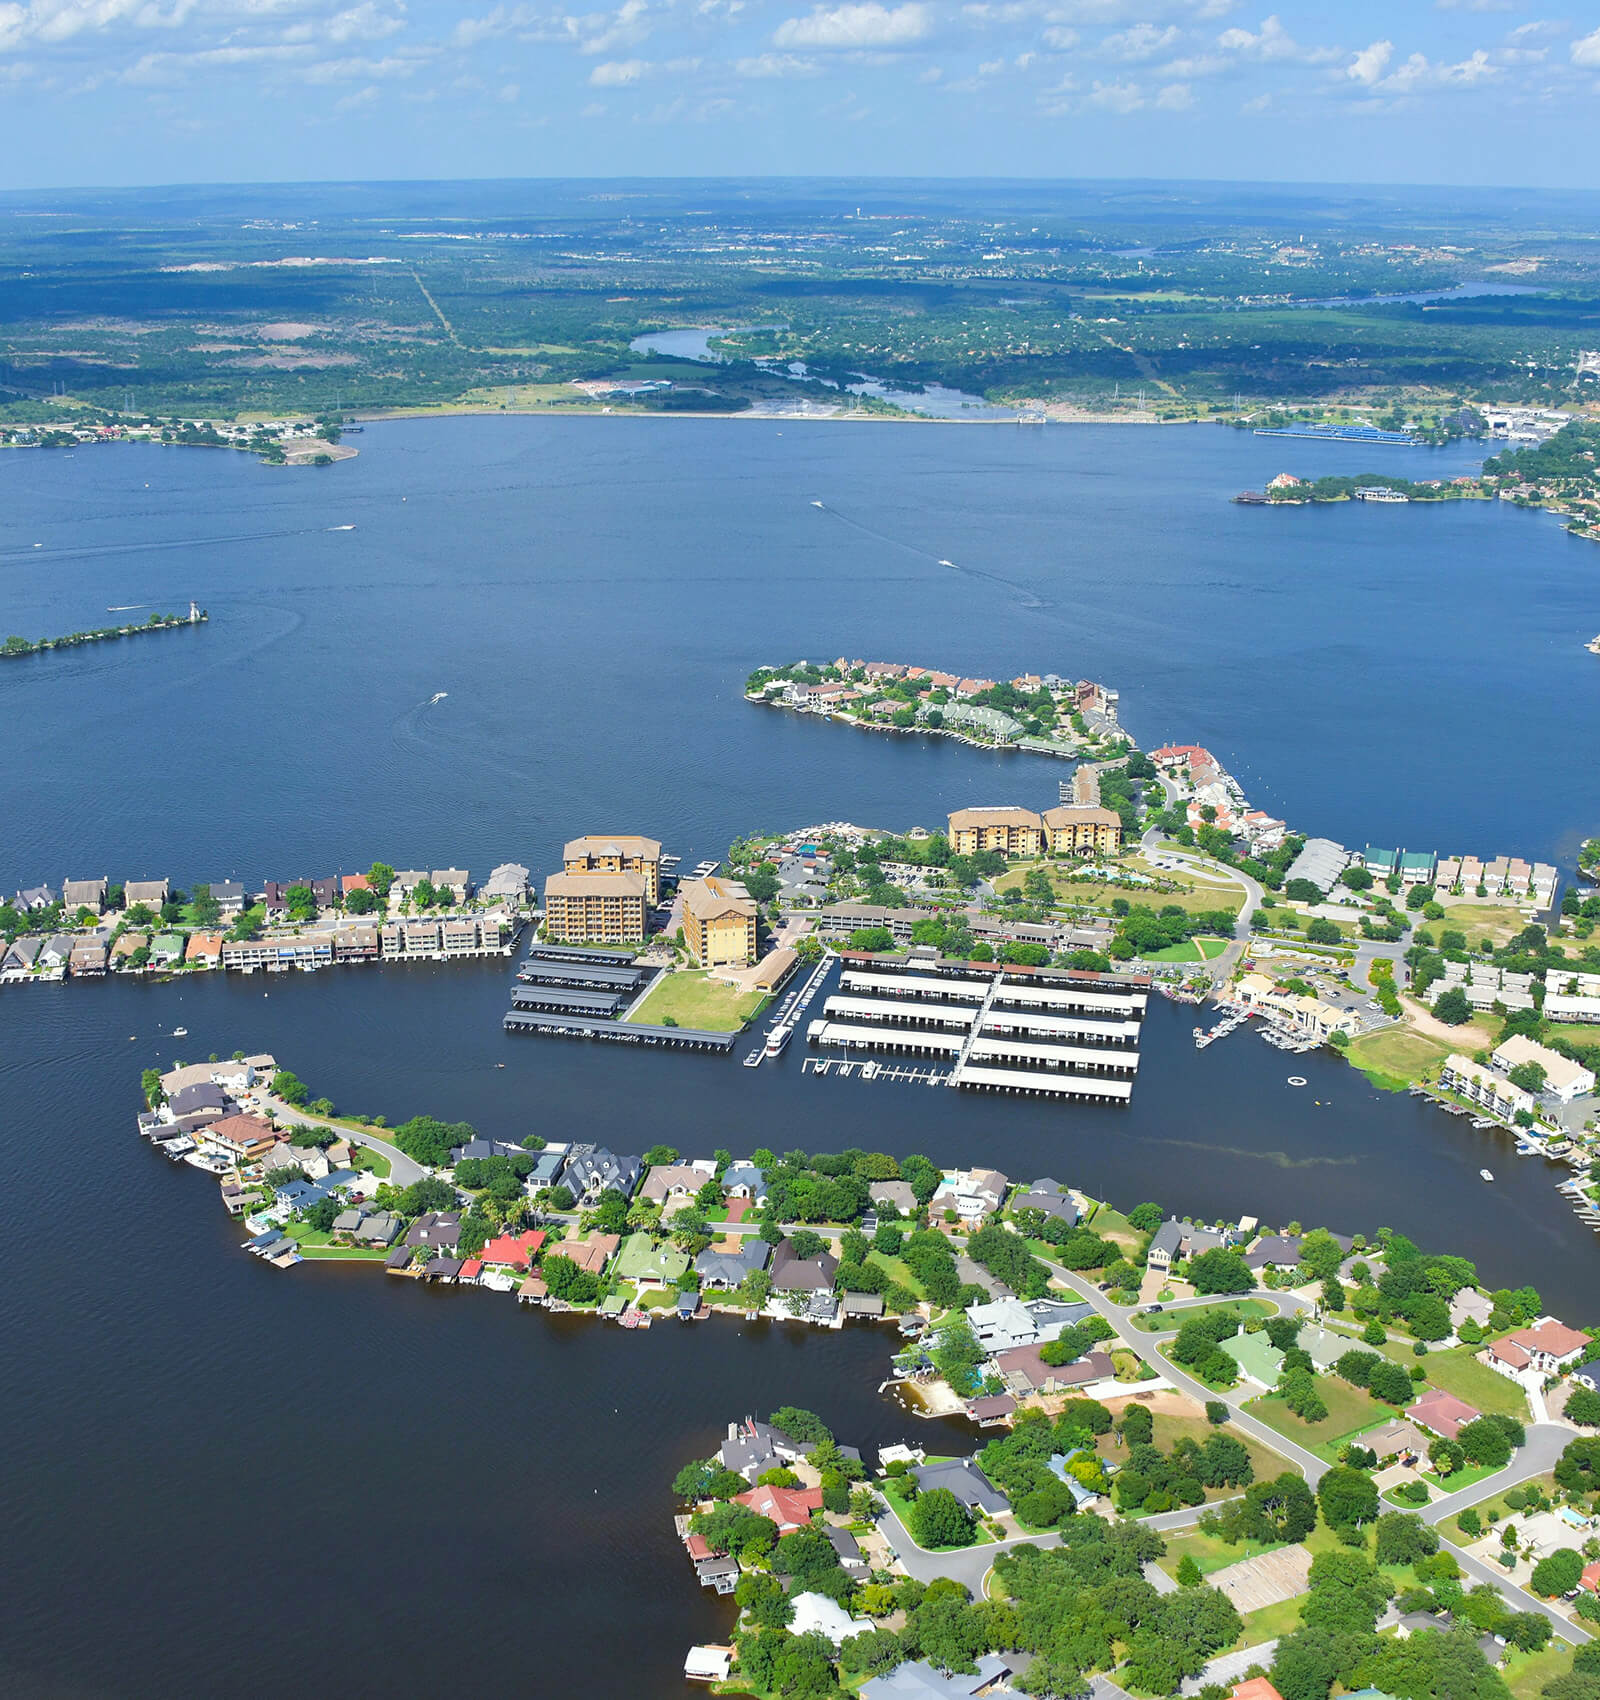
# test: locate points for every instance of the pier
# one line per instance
(618, 1032)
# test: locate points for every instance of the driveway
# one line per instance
(403, 1170)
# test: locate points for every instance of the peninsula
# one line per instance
(15, 647)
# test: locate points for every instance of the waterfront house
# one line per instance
(370, 1228)
(1470, 1305)
(89, 956)
(34, 897)
(230, 1074)
(325, 892)
(789, 1508)
(719, 1572)
(745, 1180)
(1484, 1087)
(55, 952)
(795, 1274)
(421, 938)
(440, 1229)
(1175, 1240)
(1416, 867)
(1531, 1354)
(896, 1193)
(84, 894)
(818, 1614)
(966, 1481)
(752, 1448)
(507, 884)
(125, 945)
(723, 1266)
(675, 1181)
(513, 1251)
(1048, 1197)
(203, 950)
(16, 963)
(246, 1139)
(920, 1680)
(1379, 863)
(991, 1410)
(649, 1264)
(974, 1194)
(228, 896)
(151, 893)
(591, 1170)
(353, 882)
(1024, 1371)
(406, 880)
(1442, 1413)
(166, 949)
(203, 1099)
(1002, 1324)
(591, 1255)
(1274, 1251)
(1587, 1374)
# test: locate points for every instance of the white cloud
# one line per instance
(775, 65)
(354, 102)
(1257, 103)
(1369, 64)
(1143, 41)
(1586, 52)
(1419, 73)
(867, 24)
(991, 67)
(1202, 65)
(1175, 97)
(1121, 97)
(615, 73)
(509, 94)
(931, 75)
(346, 70)
(1059, 39)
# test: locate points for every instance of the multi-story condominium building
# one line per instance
(304, 950)
(1012, 831)
(719, 922)
(605, 908)
(628, 854)
(1073, 828)
(1484, 1087)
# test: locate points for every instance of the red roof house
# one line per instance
(789, 1508)
(699, 1547)
(1541, 1350)
(515, 1251)
(470, 1270)
(1442, 1412)
(1255, 1688)
(1590, 1578)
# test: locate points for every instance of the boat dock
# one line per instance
(618, 1032)
(790, 1010)
(899, 1073)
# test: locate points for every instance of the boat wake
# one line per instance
(127, 607)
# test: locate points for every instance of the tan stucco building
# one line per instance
(595, 908)
(1072, 828)
(628, 854)
(719, 922)
(1011, 831)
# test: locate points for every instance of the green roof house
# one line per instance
(1379, 862)
(1258, 1359)
(1416, 867)
(166, 947)
(647, 1264)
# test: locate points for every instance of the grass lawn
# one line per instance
(662, 1299)
(1241, 1308)
(1451, 1528)
(1271, 1622)
(1349, 1410)
(691, 999)
(1192, 895)
(1396, 1056)
(898, 1270)
(1526, 1673)
(368, 1162)
(1480, 921)
(1191, 950)
(1169, 1429)
(312, 1244)
(1208, 1551)
(1111, 1224)
(892, 1490)
(1131, 1367)
(1458, 1371)
(1468, 1476)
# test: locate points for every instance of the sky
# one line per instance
(1408, 91)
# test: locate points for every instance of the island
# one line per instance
(15, 647)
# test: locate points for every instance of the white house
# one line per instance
(1564, 1079)
(1531, 1354)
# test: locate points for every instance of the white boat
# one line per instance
(777, 1039)
(1483, 1174)
(180, 1032)
(438, 696)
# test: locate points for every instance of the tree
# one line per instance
(1138, 1426)
(1146, 1217)
(1283, 1509)
(1404, 1539)
(801, 1425)
(1348, 1497)
(1216, 1412)
(154, 1094)
(1221, 1270)
(761, 1595)
(1483, 1441)
(939, 1519)
(1557, 1574)
(1446, 1457)
(380, 876)
(1188, 1572)
(1530, 1076)
(1388, 1382)
(1452, 1008)
(360, 901)
(1583, 1406)
(1358, 879)
(1319, 930)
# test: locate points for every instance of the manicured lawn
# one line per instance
(1208, 1551)
(1468, 1476)
(1396, 1056)
(1527, 1673)
(1458, 1371)
(313, 1244)
(1191, 950)
(367, 1162)
(1131, 1367)
(1270, 1622)
(892, 1490)
(692, 999)
(1349, 1410)
(1241, 1308)
(1111, 1224)
(897, 1270)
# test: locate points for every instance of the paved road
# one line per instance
(403, 1170)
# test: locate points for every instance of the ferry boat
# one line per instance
(777, 1039)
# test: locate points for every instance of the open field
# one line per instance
(1458, 1371)
(1349, 1409)
(1395, 1056)
(1191, 950)
(1241, 1308)
(1192, 895)
(1170, 1428)
(689, 999)
(1478, 921)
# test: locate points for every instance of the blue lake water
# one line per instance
(448, 1472)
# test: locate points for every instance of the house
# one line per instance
(591, 1170)
(1531, 1354)
(1003, 1324)
(1258, 1359)
(745, 1180)
(1274, 1251)
(55, 952)
(84, 894)
(1484, 1087)
(1324, 1349)
(649, 1264)
(897, 1193)
(89, 956)
(202, 1099)
(674, 1180)
(991, 1410)
(166, 948)
(228, 896)
(1174, 1240)
(244, 1138)
(1590, 1579)
(966, 1481)
(151, 893)
(591, 1255)
(1469, 1305)
(789, 1508)
(1588, 1374)
(721, 1270)
(513, 1251)
(816, 1614)
(849, 1551)
(125, 945)
(204, 950)
(1050, 1198)
(1254, 1688)
(17, 962)
(440, 1229)
(793, 1274)
(506, 884)
(921, 1681)
(1442, 1412)
(1024, 1371)
(375, 1228)
(1564, 1080)
(718, 1573)
(34, 897)
(752, 1448)
(973, 1194)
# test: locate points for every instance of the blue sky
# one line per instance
(156, 91)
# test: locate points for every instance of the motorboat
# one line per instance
(1483, 1174)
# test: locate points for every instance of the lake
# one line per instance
(411, 1484)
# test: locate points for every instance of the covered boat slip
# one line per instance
(1015, 994)
(1085, 1086)
(894, 1011)
(1087, 1027)
(891, 983)
(561, 1002)
(992, 1048)
(916, 1041)
(582, 976)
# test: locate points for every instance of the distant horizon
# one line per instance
(1459, 93)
